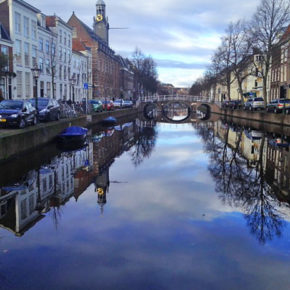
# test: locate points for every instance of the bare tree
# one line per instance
(223, 61)
(240, 56)
(145, 72)
(266, 27)
(51, 65)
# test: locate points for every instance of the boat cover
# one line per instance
(74, 131)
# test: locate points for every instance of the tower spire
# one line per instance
(101, 23)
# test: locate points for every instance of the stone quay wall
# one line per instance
(18, 141)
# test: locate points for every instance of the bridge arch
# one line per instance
(172, 104)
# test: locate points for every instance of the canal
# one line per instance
(148, 205)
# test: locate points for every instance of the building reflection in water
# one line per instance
(251, 172)
(25, 202)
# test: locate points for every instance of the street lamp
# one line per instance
(73, 81)
(36, 72)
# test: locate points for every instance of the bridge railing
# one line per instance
(167, 98)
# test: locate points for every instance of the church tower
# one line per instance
(101, 23)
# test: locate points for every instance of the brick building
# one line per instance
(280, 70)
(105, 64)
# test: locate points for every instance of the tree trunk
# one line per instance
(265, 90)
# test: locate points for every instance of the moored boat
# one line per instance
(73, 135)
(109, 121)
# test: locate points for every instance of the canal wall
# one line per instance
(257, 116)
(18, 141)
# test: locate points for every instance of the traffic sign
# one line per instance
(86, 86)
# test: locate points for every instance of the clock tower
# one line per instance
(101, 23)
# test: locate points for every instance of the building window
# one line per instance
(5, 51)
(54, 90)
(48, 89)
(60, 90)
(47, 65)
(44, 185)
(47, 46)
(40, 64)
(26, 54)
(33, 30)
(23, 207)
(27, 85)
(60, 53)
(42, 89)
(19, 83)
(34, 55)
(17, 23)
(53, 49)
(64, 38)
(31, 204)
(75, 34)
(60, 72)
(26, 26)
(40, 44)
(50, 180)
(60, 36)
(18, 52)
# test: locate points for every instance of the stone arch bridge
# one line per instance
(193, 103)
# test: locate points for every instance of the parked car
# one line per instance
(108, 105)
(278, 105)
(254, 104)
(48, 109)
(225, 104)
(17, 113)
(279, 142)
(127, 104)
(118, 103)
(235, 104)
(97, 105)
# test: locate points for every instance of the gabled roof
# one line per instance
(78, 45)
(52, 20)
(25, 4)
(103, 45)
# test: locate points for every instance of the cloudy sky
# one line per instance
(180, 35)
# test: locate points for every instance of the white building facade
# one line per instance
(81, 77)
(63, 46)
(20, 20)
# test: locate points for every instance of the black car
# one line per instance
(225, 104)
(235, 104)
(17, 113)
(48, 109)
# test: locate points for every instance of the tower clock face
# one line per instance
(99, 17)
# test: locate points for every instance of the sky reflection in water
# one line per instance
(163, 227)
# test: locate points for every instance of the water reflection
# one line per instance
(176, 111)
(250, 173)
(27, 200)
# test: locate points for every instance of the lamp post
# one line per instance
(36, 72)
(73, 81)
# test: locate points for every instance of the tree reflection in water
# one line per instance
(242, 182)
(144, 145)
(44, 190)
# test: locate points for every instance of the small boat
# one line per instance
(73, 136)
(109, 121)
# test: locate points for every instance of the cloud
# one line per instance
(185, 32)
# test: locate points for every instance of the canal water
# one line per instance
(146, 205)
